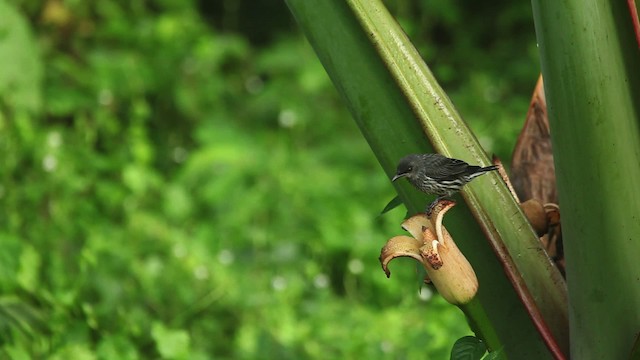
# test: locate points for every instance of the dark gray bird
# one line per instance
(438, 175)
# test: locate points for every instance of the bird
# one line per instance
(437, 174)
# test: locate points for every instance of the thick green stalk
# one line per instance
(529, 266)
(396, 101)
(591, 68)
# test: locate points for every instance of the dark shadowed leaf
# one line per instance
(468, 348)
(394, 203)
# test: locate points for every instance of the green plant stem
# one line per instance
(590, 63)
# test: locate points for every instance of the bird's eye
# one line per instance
(410, 168)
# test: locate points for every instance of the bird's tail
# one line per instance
(477, 171)
(488, 168)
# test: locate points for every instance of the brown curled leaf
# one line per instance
(537, 216)
(532, 168)
(429, 250)
(452, 275)
(415, 225)
(437, 216)
(399, 246)
(431, 255)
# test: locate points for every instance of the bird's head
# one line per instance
(408, 167)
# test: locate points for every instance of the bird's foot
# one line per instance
(431, 206)
(435, 202)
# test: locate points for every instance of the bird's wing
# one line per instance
(444, 168)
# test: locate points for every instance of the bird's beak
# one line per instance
(397, 176)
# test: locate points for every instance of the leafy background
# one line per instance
(180, 180)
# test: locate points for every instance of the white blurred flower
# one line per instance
(321, 281)
(226, 257)
(425, 293)
(179, 251)
(356, 266)
(201, 272)
(287, 118)
(179, 154)
(105, 97)
(49, 163)
(278, 283)
(54, 139)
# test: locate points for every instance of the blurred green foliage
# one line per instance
(181, 181)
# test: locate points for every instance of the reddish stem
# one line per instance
(633, 10)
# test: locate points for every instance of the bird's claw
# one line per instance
(433, 205)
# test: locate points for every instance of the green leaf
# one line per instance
(74, 351)
(394, 203)
(171, 344)
(116, 347)
(468, 348)
(495, 355)
(30, 263)
(18, 315)
(21, 75)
